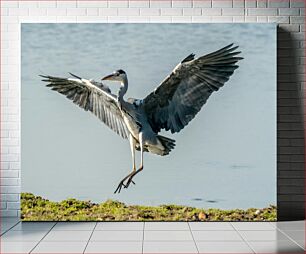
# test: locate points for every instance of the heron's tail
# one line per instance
(167, 143)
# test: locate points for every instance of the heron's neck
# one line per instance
(123, 88)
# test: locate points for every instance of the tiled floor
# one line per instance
(152, 237)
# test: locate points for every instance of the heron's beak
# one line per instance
(108, 77)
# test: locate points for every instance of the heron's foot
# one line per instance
(119, 187)
(130, 180)
(122, 184)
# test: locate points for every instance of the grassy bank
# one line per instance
(36, 208)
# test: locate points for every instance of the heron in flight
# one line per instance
(171, 106)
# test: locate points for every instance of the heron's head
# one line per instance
(118, 75)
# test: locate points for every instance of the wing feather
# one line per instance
(92, 96)
(176, 101)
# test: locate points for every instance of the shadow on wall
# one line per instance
(290, 130)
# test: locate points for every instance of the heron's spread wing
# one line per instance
(176, 101)
(92, 96)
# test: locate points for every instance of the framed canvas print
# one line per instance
(148, 122)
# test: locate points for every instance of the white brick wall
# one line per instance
(289, 13)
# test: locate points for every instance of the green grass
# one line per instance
(36, 208)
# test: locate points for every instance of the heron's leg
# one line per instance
(132, 146)
(141, 163)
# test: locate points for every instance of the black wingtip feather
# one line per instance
(73, 75)
(45, 77)
(188, 58)
(230, 45)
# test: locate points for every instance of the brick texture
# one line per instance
(289, 14)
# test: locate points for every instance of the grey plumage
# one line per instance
(176, 101)
(91, 96)
(171, 106)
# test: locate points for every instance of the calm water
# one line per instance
(225, 158)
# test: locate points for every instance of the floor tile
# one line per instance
(17, 247)
(297, 235)
(166, 226)
(9, 220)
(74, 226)
(223, 247)
(216, 236)
(291, 225)
(69, 236)
(22, 236)
(116, 236)
(169, 247)
(34, 226)
(253, 225)
(60, 247)
(273, 235)
(119, 226)
(114, 247)
(7, 225)
(301, 243)
(167, 235)
(276, 247)
(3, 230)
(211, 226)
